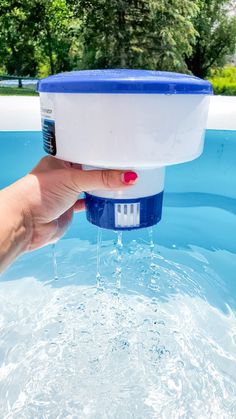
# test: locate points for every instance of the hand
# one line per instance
(48, 196)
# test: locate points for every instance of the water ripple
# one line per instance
(164, 346)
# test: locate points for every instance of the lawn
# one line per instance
(224, 81)
(13, 91)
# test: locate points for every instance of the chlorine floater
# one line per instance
(125, 119)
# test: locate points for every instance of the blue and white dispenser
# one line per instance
(125, 119)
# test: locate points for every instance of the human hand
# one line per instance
(49, 194)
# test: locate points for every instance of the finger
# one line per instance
(79, 205)
(88, 180)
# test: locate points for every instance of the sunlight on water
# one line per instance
(154, 341)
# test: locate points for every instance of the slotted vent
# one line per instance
(127, 215)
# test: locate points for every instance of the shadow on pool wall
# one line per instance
(206, 182)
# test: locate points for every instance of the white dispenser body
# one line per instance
(125, 119)
(126, 130)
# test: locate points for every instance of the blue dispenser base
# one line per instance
(128, 214)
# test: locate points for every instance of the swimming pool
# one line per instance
(163, 343)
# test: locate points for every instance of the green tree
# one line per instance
(35, 34)
(52, 33)
(47, 36)
(215, 24)
(171, 33)
(17, 51)
(135, 33)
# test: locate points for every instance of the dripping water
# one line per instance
(99, 278)
(118, 261)
(114, 259)
(151, 243)
(154, 274)
(54, 262)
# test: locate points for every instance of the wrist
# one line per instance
(16, 229)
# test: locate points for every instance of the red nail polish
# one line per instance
(129, 177)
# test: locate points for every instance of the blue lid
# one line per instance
(124, 81)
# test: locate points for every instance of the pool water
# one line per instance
(149, 330)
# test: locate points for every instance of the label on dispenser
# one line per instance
(49, 138)
(48, 123)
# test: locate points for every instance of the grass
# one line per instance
(13, 91)
(224, 81)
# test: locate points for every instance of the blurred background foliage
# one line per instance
(42, 37)
(224, 81)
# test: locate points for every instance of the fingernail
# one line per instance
(129, 178)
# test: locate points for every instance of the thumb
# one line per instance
(88, 180)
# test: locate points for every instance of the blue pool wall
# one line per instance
(210, 173)
(208, 181)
